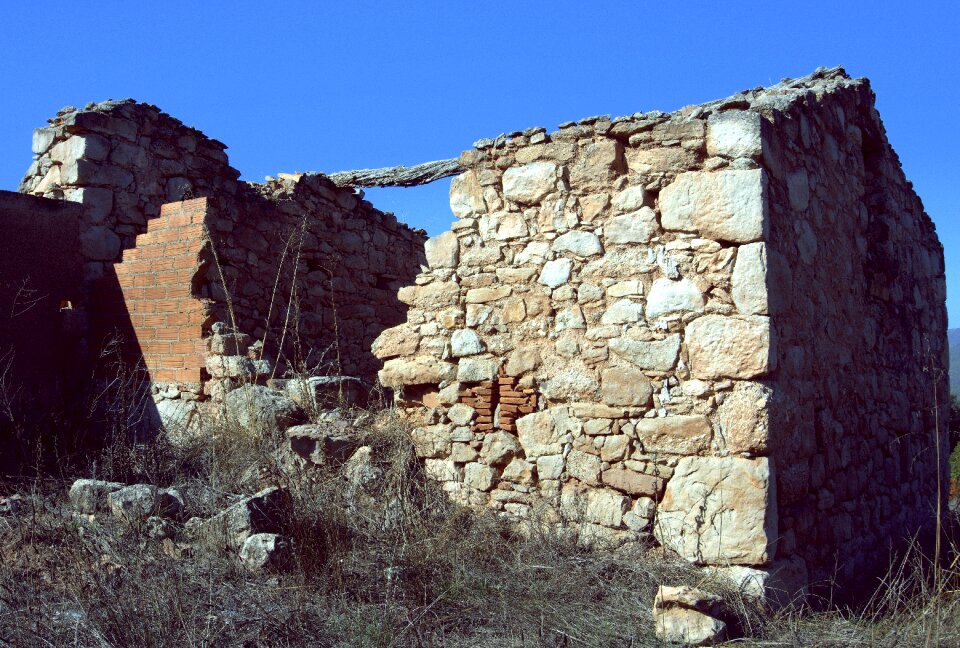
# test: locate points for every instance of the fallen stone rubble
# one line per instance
(689, 616)
(255, 530)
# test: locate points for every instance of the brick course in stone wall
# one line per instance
(156, 280)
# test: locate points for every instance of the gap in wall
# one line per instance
(426, 206)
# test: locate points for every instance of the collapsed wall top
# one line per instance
(298, 261)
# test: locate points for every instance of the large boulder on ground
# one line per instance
(322, 444)
(266, 512)
(688, 616)
(258, 409)
(267, 552)
(138, 502)
(89, 496)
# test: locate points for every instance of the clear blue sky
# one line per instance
(329, 86)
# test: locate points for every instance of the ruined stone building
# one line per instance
(722, 326)
(719, 329)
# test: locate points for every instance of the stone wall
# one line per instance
(857, 289)
(314, 269)
(41, 315)
(122, 160)
(718, 329)
(310, 269)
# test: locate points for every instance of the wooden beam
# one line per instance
(398, 176)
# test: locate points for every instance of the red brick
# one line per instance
(191, 347)
(174, 362)
(189, 375)
(185, 262)
(164, 375)
(167, 333)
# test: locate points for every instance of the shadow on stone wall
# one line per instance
(121, 399)
(72, 376)
(41, 325)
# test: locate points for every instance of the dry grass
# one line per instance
(392, 564)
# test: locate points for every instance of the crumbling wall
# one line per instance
(151, 301)
(701, 324)
(309, 268)
(122, 160)
(313, 271)
(41, 315)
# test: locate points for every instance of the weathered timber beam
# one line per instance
(398, 176)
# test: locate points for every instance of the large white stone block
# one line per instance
(418, 370)
(744, 418)
(87, 147)
(443, 250)
(750, 290)
(674, 434)
(668, 296)
(545, 433)
(528, 184)
(630, 199)
(466, 195)
(734, 134)
(476, 369)
(729, 205)
(728, 347)
(556, 273)
(655, 355)
(635, 227)
(465, 342)
(720, 511)
(581, 243)
(623, 311)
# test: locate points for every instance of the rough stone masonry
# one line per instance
(176, 250)
(720, 328)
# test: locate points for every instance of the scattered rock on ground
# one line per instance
(13, 505)
(360, 470)
(267, 552)
(89, 496)
(688, 616)
(258, 409)
(266, 512)
(140, 501)
(321, 444)
(160, 528)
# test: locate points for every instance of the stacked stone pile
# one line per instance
(252, 529)
(672, 292)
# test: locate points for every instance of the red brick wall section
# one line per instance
(504, 392)
(156, 278)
